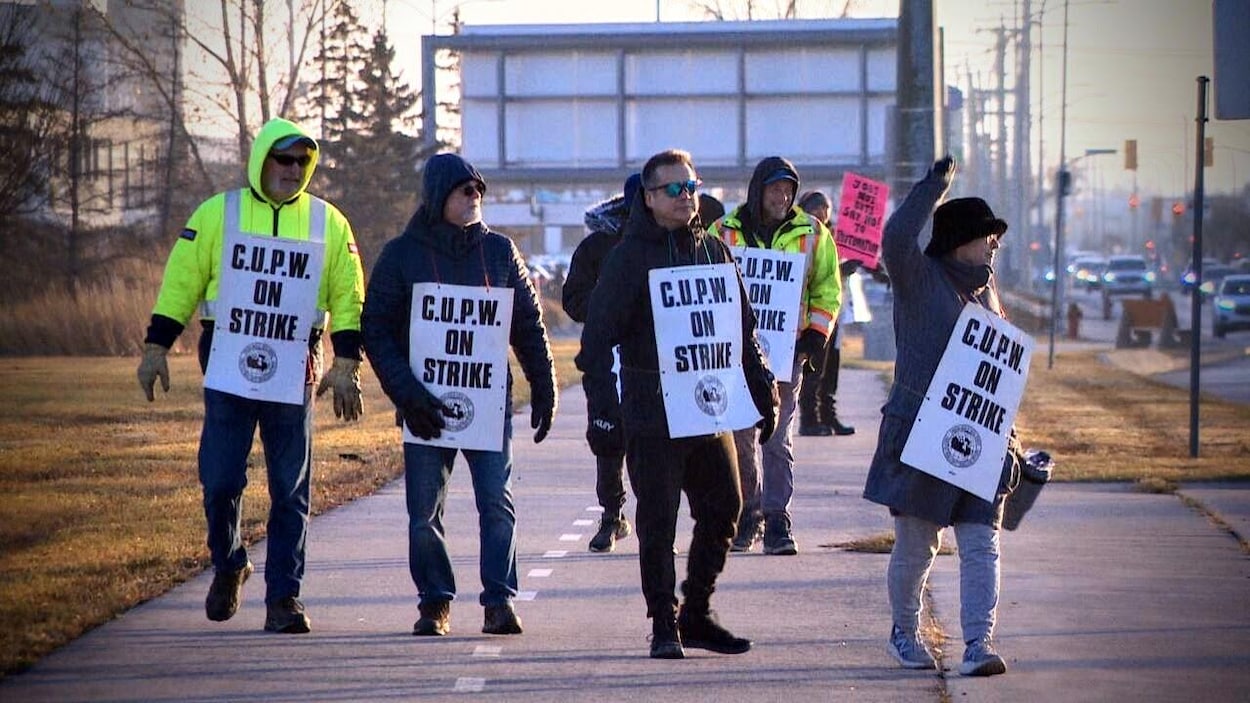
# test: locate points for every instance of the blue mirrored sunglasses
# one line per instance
(674, 190)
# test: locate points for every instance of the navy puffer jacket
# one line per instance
(431, 250)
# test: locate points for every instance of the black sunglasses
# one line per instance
(287, 159)
(472, 188)
(674, 190)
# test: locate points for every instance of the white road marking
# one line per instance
(570, 537)
(555, 553)
(487, 650)
(469, 684)
(539, 573)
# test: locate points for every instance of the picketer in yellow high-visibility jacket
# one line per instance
(275, 206)
(769, 219)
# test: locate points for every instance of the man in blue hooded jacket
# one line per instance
(446, 242)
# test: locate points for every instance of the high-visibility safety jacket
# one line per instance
(803, 234)
(193, 272)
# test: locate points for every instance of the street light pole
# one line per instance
(1061, 182)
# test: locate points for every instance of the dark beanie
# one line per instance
(959, 221)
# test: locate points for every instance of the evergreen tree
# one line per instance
(25, 120)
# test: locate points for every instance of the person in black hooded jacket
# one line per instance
(664, 231)
(604, 221)
(447, 242)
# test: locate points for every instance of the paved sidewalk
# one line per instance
(1108, 594)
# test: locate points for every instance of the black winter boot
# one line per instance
(701, 629)
(829, 415)
(665, 642)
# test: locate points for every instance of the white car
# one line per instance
(1127, 275)
(1231, 305)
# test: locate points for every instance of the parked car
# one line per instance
(1087, 272)
(1230, 307)
(1127, 275)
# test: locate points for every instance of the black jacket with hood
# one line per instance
(430, 249)
(604, 221)
(620, 314)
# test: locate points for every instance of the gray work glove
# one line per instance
(344, 378)
(153, 366)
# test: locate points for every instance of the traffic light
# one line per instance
(1065, 181)
(1130, 154)
(1134, 201)
(1178, 209)
(1208, 152)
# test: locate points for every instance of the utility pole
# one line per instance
(915, 137)
(1020, 151)
(998, 188)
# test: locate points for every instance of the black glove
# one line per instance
(425, 417)
(605, 437)
(943, 171)
(847, 268)
(542, 412)
(769, 409)
(810, 350)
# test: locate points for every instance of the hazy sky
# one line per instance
(1132, 66)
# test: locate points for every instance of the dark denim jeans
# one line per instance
(426, 473)
(230, 423)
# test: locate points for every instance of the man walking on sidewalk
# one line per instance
(264, 357)
(664, 234)
(604, 221)
(769, 219)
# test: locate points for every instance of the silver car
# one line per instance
(1230, 307)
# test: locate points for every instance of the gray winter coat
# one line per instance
(926, 307)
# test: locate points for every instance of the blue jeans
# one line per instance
(768, 492)
(426, 473)
(916, 544)
(230, 423)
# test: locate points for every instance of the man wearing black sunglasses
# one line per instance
(769, 219)
(447, 243)
(261, 354)
(662, 232)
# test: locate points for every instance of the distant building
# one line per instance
(556, 116)
(77, 50)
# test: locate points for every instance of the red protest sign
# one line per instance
(861, 217)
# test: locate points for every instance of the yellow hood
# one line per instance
(274, 130)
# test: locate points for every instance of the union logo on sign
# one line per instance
(961, 445)
(258, 362)
(457, 410)
(710, 396)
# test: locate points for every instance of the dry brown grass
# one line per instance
(1101, 422)
(100, 505)
(99, 501)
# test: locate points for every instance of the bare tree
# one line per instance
(772, 9)
(26, 120)
(253, 80)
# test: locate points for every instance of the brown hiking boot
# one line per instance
(226, 593)
(501, 620)
(435, 619)
(286, 615)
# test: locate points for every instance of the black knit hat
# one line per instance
(959, 221)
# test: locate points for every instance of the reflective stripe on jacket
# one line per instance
(822, 285)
